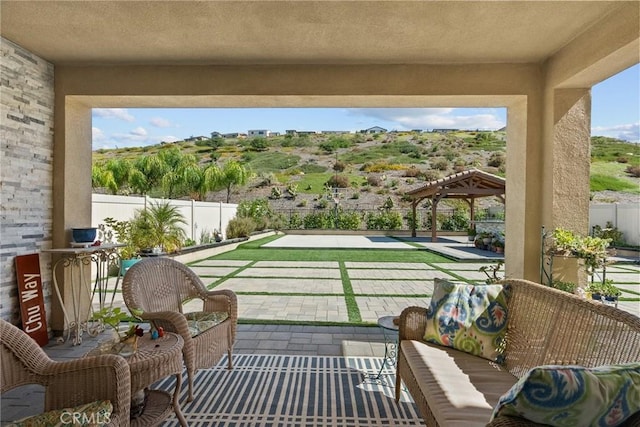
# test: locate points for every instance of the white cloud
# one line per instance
(159, 122)
(139, 132)
(627, 132)
(97, 135)
(430, 118)
(169, 138)
(114, 113)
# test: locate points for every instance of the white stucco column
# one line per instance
(72, 189)
(571, 139)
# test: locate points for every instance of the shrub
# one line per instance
(276, 193)
(497, 159)
(442, 165)
(457, 221)
(339, 166)
(634, 171)
(258, 210)
(374, 180)
(340, 181)
(412, 172)
(431, 175)
(386, 220)
(240, 227)
(609, 232)
(292, 190)
(259, 144)
(348, 221)
(564, 286)
(317, 220)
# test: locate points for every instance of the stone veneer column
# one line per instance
(26, 158)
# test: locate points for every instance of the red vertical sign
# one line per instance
(34, 320)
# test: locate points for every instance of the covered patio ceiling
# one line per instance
(299, 32)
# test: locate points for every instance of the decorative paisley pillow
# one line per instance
(469, 318)
(574, 395)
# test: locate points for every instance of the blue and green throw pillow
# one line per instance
(470, 318)
(574, 395)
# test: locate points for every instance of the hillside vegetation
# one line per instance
(369, 169)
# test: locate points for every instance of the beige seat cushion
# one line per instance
(461, 389)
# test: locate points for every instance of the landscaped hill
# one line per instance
(370, 168)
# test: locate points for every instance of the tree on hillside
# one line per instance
(232, 173)
(113, 175)
(101, 178)
(182, 170)
(147, 174)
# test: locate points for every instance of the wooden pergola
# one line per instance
(467, 185)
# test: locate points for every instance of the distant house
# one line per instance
(300, 132)
(375, 129)
(258, 132)
(215, 135)
(196, 138)
(334, 132)
(230, 135)
(444, 130)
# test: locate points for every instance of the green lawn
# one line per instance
(252, 251)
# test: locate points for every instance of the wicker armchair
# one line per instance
(67, 384)
(155, 290)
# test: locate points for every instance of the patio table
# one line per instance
(153, 361)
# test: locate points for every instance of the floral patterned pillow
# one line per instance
(574, 395)
(470, 318)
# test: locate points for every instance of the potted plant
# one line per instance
(592, 250)
(122, 232)
(471, 234)
(499, 246)
(158, 228)
(604, 290)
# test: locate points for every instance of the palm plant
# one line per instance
(160, 226)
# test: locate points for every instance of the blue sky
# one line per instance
(615, 113)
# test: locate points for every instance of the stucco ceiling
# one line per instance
(297, 32)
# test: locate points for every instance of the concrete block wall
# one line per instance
(26, 168)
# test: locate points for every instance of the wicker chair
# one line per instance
(67, 384)
(155, 290)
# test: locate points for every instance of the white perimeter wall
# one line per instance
(200, 216)
(625, 217)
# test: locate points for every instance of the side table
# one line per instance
(75, 260)
(390, 332)
(153, 361)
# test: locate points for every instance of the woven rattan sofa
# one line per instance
(67, 384)
(545, 326)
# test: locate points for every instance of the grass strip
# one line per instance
(341, 255)
(353, 311)
(229, 276)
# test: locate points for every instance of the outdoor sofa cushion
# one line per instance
(90, 414)
(470, 318)
(462, 389)
(574, 395)
(200, 321)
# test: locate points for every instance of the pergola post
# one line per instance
(415, 218)
(434, 220)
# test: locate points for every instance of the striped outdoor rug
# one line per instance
(270, 390)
